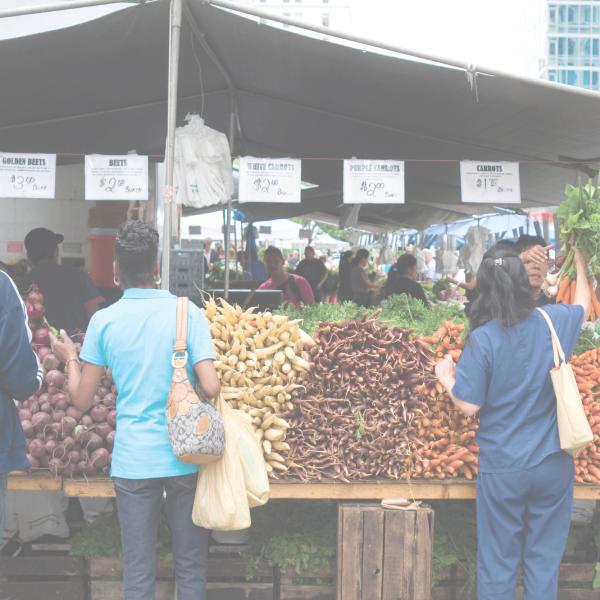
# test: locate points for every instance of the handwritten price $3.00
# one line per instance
(23, 182)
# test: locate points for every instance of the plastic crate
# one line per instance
(186, 272)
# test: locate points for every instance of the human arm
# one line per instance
(445, 371)
(201, 353)
(83, 378)
(207, 377)
(20, 372)
(583, 292)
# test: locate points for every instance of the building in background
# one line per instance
(573, 43)
(336, 14)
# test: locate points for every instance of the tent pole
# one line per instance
(169, 194)
(59, 5)
(229, 202)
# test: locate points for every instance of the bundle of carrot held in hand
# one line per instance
(587, 462)
(579, 215)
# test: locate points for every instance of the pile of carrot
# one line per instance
(566, 295)
(587, 372)
(448, 339)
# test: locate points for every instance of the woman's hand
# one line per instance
(445, 371)
(63, 348)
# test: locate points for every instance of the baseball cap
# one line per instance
(41, 242)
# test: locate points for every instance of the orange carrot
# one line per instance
(573, 292)
(595, 304)
(565, 282)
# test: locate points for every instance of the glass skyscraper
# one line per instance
(574, 43)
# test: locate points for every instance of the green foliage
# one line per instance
(405, 311)
(455, 541)
(102, 538)
(314, 314)
(589, 338)
(579, 215)
(298, 536)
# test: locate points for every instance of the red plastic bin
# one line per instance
(102, 257)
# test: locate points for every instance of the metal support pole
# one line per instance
(59, 5)
(168, 193)
(229, 203)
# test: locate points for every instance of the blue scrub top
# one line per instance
(134, 338)
(507, 373)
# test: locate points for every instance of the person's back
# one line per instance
(518, 406)
(134, 339)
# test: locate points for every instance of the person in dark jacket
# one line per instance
(314, 271)
(20, 377)
(344, 293)
(402, 279)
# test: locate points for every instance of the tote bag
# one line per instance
(573, 427)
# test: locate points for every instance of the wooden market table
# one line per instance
(292, 490)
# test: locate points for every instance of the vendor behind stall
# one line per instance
(314, 271)
(402, 279)
(70, 297)
(296, 290)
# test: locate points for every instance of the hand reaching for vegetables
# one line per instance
(63, 347)
(445, 371)
(537, 255)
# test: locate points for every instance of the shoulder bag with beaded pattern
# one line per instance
(195, 426)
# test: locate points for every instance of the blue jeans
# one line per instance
(139, 504)
(3, 490)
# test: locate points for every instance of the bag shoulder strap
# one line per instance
(181, 327)
(557, 349)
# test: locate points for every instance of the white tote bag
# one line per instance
(573, 427)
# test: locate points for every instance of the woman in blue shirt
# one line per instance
(525, 482)
(134, 338)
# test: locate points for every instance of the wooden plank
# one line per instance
(579, 594)
(44, 590)
(577, 572)
(96, 488)
(393, 555)
(35, 481)
(41, 566)
(372, 564)
(351, 552)
(112, 568)
(307, 592)
(112, 590)
(407, 542)
(424, 553)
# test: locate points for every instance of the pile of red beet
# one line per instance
(59, 436)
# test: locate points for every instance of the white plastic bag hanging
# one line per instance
(202, 175)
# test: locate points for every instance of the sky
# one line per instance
(507, 35)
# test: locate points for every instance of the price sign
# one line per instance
(373, 182)
(490, 182)
(116, 177)
(270, 180)
(27, 175)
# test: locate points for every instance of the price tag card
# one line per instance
(490, 182)
(373, 182)
(270, 180)
(116, 177)
(27, 175)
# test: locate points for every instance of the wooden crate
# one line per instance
(308, 585)
(42, 578)
(384, 554)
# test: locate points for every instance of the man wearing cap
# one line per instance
(70, 297)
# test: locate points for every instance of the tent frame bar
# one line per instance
(472, 70)
(59, 5)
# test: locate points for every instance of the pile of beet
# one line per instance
(60, 437)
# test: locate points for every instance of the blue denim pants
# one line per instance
(139, 504)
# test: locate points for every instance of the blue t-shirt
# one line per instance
(507, 373)
(134, 338)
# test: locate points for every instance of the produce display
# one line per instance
(579, 215)
(261, 362)
(59, 436)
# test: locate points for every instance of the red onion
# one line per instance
(46, 408)
(55, 378)
(50, 446)
(34, 406)
(58, 415)
(102, 391)
(69, 443)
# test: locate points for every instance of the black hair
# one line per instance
(360, 256)
(274, 250)
(529, 241)
(405, 263)
(136, 251)
(309, 248)
(503, 292)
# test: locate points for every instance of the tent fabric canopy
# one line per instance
(101, 87)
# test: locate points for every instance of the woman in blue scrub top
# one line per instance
(134, 338)
(525, 482)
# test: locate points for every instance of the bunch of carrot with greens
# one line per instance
(579, 215)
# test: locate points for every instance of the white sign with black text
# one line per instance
(116, 177)
(27, 175)
(270, 180)
(373, 182)
(490, 182)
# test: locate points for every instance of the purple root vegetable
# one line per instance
(37, 448)
(111, 418)
(110, 440)
(46, 407)
(50, 362)
(33, 461)
(95, 442)
(58, 415)
(55, 466)
(68, 425)
(86, 421)
(50, 447)
(99, 458)
(75, 413)
(55, 379)
(40, 420)
(99, 413)
(103, 429)
(61, 401)
(27, 428)
(24, 414)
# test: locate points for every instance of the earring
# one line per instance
(157, 280)
(116, 281)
